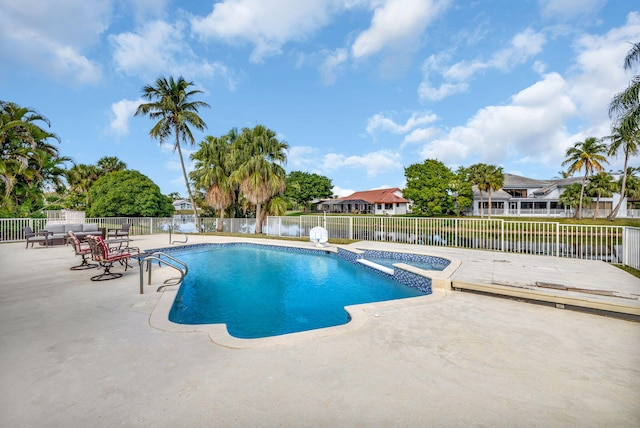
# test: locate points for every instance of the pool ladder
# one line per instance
(161, 258)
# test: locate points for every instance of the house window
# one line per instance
(379, 206)
(388, 206)
(517, 193)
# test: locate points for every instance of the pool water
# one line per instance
(261, 291)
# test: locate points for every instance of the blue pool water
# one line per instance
(261, 292)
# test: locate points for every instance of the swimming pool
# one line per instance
(262, 291)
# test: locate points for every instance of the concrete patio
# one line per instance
(81, 353)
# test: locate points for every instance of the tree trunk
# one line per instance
(578, 214)
(623, 189)
(489, 214)
(219, 228)
(481, 205)
(186, 182)
(595, 213)
(258, 218)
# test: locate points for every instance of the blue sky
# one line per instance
(359, 89)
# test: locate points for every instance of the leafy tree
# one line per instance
(28, 162)
(214, 164)
(260, 174)
(429, 187)
(573, 196)
(587, 155)
(629, 143)
(128, 194)
(625, 106)
(462, 191)
(171, 102)
(303, 187)
(600, 185)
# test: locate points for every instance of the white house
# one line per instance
(380, 202)
(522, 196)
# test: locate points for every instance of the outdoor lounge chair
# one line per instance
(81, 249)
(122, 232)
(106, 258)
(33, 237)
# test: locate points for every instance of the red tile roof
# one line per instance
(379, 196)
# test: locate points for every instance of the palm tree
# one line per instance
(171, 102)
(585, 155)
(572, 196)
(214, 164)
(477, 175)
(625, 106)
(25, 153)
(260, 174)
(494, 180)
(111, 164)
(80, 179)
(628, 142)
(600, 185)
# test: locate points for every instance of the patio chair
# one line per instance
(81, 249)
(33, 237)
(106, 258)
(122, 232)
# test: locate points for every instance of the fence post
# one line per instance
(350, 227)
(501, 235)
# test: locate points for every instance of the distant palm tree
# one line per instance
(478, 177)
(600, 185)
(629, 142)
(214, 164)
(625, 106)
(587, 155)
(572, 196)
(487, 178)
(80, 179)
(111, 164)
(171, 102)
(260, 174)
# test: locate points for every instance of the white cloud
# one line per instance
(265, 24)
(123, 110)
(340, 192)
(531, 125)
(380, 122)
(396, 24)
(373, 163)
(161, 48)
(51, 36)
(522, 47)
(567, 9)
(332, 65)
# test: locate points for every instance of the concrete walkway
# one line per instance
(80, 353)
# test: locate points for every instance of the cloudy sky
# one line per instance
(359, 89)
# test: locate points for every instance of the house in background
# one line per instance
(182, 205)
(378, 202)
(522, 196)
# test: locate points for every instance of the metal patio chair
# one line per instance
(106, 258)
(33, 237)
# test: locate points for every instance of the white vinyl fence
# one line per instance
(615, 244)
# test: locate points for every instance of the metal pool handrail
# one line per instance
(178, 265)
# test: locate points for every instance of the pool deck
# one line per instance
(81, 353)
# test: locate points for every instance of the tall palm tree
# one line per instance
(172, 104)
(600, 185)
(214, 164)
(587, 155)
(260, 174)
(625, 105)
(629, 142)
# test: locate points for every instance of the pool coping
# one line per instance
(359, 314)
